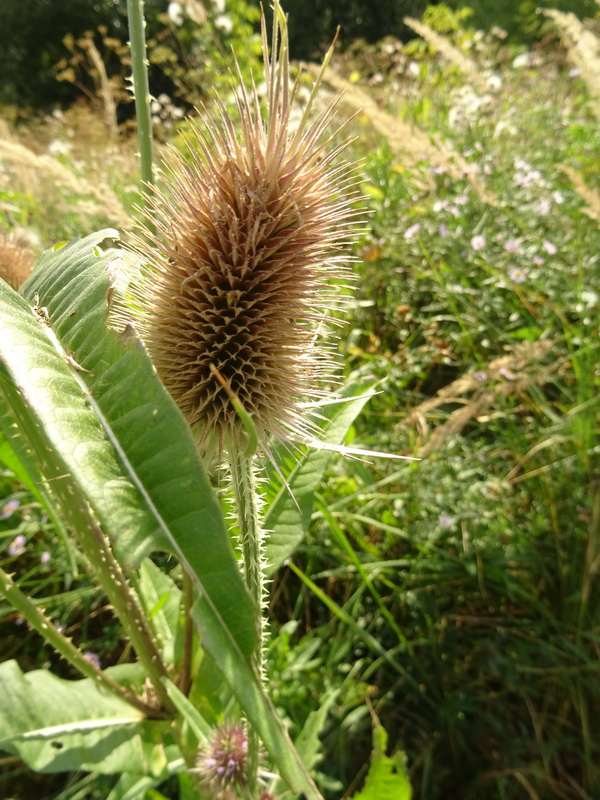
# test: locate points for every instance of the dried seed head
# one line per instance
(16, 260)
(250, 232)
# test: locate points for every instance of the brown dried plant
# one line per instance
(583, 49)
(16, 259)
(250, 231)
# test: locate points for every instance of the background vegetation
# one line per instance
(465, 595)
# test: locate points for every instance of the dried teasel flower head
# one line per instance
(250, 232)
(16, 258)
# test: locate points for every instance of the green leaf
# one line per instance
(387, 778)
(94, 401)
(55, 725)
(289, 508)
(123, 440)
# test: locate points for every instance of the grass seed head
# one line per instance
(250, 231)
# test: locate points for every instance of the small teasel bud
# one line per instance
(242, 260)
(222, 762)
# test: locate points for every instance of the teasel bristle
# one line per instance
(245, 256)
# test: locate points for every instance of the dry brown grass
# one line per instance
(527, 367)
(449, 52)
(583, 49)
(83, 197)
(407, 142)
(588, 193)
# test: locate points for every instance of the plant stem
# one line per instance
(141, 89)
(251, 541)
(185, 678)
(65, 647)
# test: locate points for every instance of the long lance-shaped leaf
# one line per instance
(69, 290)
(289, 508)
(125, 442)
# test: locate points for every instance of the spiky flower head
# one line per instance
(250, 232)
(16, 260)
(222, 762)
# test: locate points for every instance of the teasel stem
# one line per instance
(251, 537)
(141, 91)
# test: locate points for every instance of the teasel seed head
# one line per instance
(16, 259)
(245, 243)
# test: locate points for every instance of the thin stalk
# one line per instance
(141, 90)
(64, 646)
(185, 679)
(252, 544)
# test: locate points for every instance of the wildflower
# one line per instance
(175, 13)
(236, 278)
(549, 248)
(445, 521)
(558, 198)
(511, 245)
(93, 658)
(17, 546)
(45, 557)
(224, 24)
(478, 242)
(538, 260)
(543, 207)
(222, 762)
(480, 376)
(8, 509)
(517, 275)
(409, 233)
(506, 373)
(443, 230)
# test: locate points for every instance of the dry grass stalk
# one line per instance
(407, 140)
(250, 231)
(31, 166)
(590, 195)
(583, 49)
(448, 51)
(16, 260)
(524, 364)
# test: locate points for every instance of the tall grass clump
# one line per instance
(468, 574)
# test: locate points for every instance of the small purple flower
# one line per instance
(9, 508)
(93, 658)
(517, 275)
(443, 230)
(506, 373)
(461, 200)
(480, 376)
(549, 247)
(45, 557)
(478, 242)
(445, 521)
(538, 261)
(412, 231)
(17, 546)
(512, 246)
(543, 207)
(222, 762)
